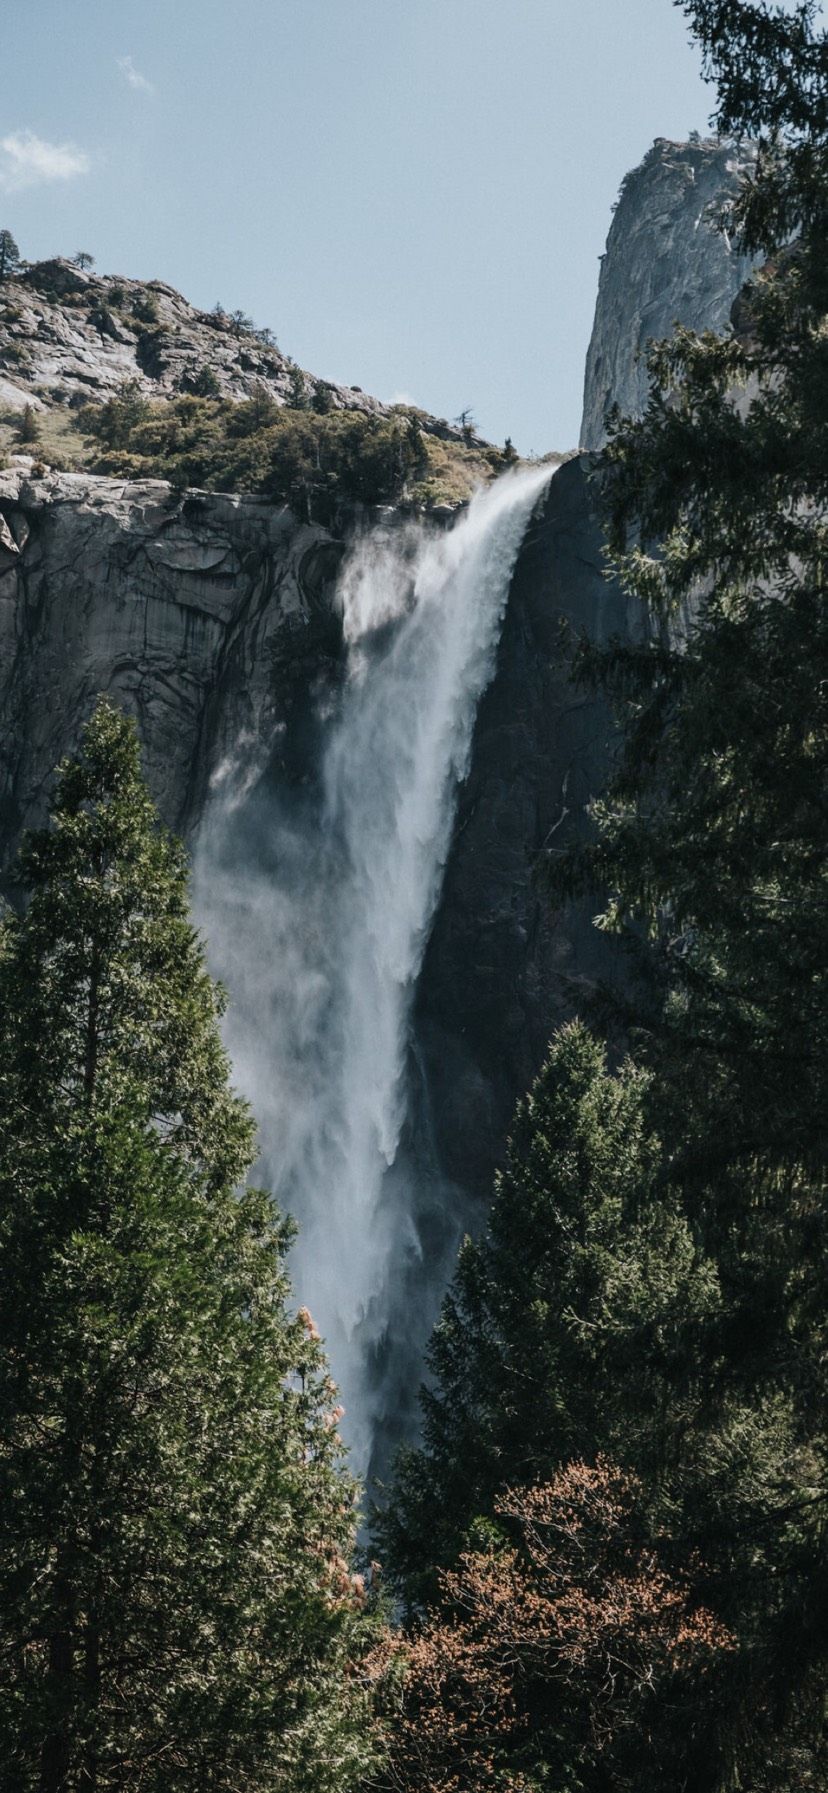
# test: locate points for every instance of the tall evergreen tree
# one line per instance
(176, 1609)
(711, 839)
(9, 255)
(569, 1325)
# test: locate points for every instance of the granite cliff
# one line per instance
(202, 614)
(665, 263)
(209, 616)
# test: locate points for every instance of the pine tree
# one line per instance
(711, 839)
(176, 1607)
(28, 429)
(9, 255)
(568, 1326)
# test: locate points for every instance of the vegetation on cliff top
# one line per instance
(132, 380)
(307, 457)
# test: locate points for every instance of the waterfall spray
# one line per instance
(320, 944)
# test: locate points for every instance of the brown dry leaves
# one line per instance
(572, 1630)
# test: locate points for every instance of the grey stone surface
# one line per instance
(664, 264)
(68, 336)
(202, 615)
(504, 967)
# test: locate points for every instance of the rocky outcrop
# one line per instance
(69, 337)
(665, 263)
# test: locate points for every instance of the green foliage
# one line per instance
(145, 307)
(28, 429)
(711, 842)
(567, 1327)
(770, 66)
(298, 390)
(205, 384)
(712, 834)
(9, 255)
(466, 423)
(176, 1607)
(309, 459)
(666, 1301)
(241, 324)
(116, 421)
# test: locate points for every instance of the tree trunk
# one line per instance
(92, 1694)
(54, 1758)
(90, 1069)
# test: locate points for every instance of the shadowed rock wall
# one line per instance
(205, 617)
(210, 618)
(503, 968)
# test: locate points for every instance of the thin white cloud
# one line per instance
(28, 161)
(133, 75)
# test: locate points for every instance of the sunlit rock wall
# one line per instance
(665, 263)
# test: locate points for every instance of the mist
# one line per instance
(316, 905)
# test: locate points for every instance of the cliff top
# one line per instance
(123, 376)
(665, 263)
(69, 336)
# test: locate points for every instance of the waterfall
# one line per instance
(319, 934)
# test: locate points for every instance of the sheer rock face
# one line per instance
(204, 616)
(210, 618)
(665, 263)
(504, 967)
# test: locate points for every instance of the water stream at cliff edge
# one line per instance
(320, 948)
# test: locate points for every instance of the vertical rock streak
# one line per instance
(321, 951)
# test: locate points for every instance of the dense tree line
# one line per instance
(304, 454)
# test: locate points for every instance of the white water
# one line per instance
(321, 939)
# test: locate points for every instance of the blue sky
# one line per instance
(413, 194)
